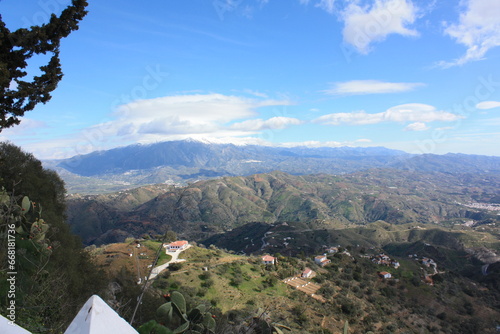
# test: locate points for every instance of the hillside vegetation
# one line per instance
(241, 290)
(54, 276)
(326, 201)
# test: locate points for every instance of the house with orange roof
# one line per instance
(307, 273)
(177, 245)
(268, 259)
(321, 260)
(384, 274)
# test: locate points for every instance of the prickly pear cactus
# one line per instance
(197, 320)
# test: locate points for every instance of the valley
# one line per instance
(441, 231)
(403, 200)
(380, 250)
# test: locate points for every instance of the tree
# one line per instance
(55, 276)
(19, 96)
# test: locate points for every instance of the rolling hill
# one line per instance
(208, 207)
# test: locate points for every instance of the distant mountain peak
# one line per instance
(183, 161)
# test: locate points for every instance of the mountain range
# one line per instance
(183, 162)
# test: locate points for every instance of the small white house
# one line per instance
(307, 273)
(427, 262)
(385, 274)
(177, 245)
(332, 250)
(268, 259)
(321, 260)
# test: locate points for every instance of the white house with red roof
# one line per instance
(177, 245)
(384, 274)
(268, 259)
(332, 250)
(321, 260)
(307, 273)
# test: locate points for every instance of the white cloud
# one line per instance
(358, 87)
(478, 29)
(488, 105)
(417, 126)
(198, 116)
(184, 115)
(327, 5)
(413, 112)
(272, 123)
(445, 128)
(367, 24)
(263, 142)
(314, 143)
(356, 118)
(27, 127)
(256, 93)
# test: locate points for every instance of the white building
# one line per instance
(177, 245)
(321, 260)
(268, 259)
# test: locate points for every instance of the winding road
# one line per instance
(175, 259)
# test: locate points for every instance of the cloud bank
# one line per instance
(361, 87)
(193, 115)
(413, 112)
(488, 105)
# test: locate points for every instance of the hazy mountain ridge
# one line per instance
(211, 206)
(190, 153)
(183, 162)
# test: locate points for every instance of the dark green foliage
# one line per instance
(207, 283)
(442, 316)
(175, 266)
(16, 47)
(236, 280)
(50, 260)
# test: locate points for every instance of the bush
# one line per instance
(441, 316)
(236, 280)
(175, 266)
(205, 275)
(207, 283)
(271, 281)
(202, 292)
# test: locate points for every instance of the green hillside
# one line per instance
(208, 207)
(240, 288)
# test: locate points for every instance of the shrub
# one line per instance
(175, 266)
(207, 283)
(236, 280)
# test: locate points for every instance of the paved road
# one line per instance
(175, 259)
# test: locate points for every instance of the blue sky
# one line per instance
(419, 76)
